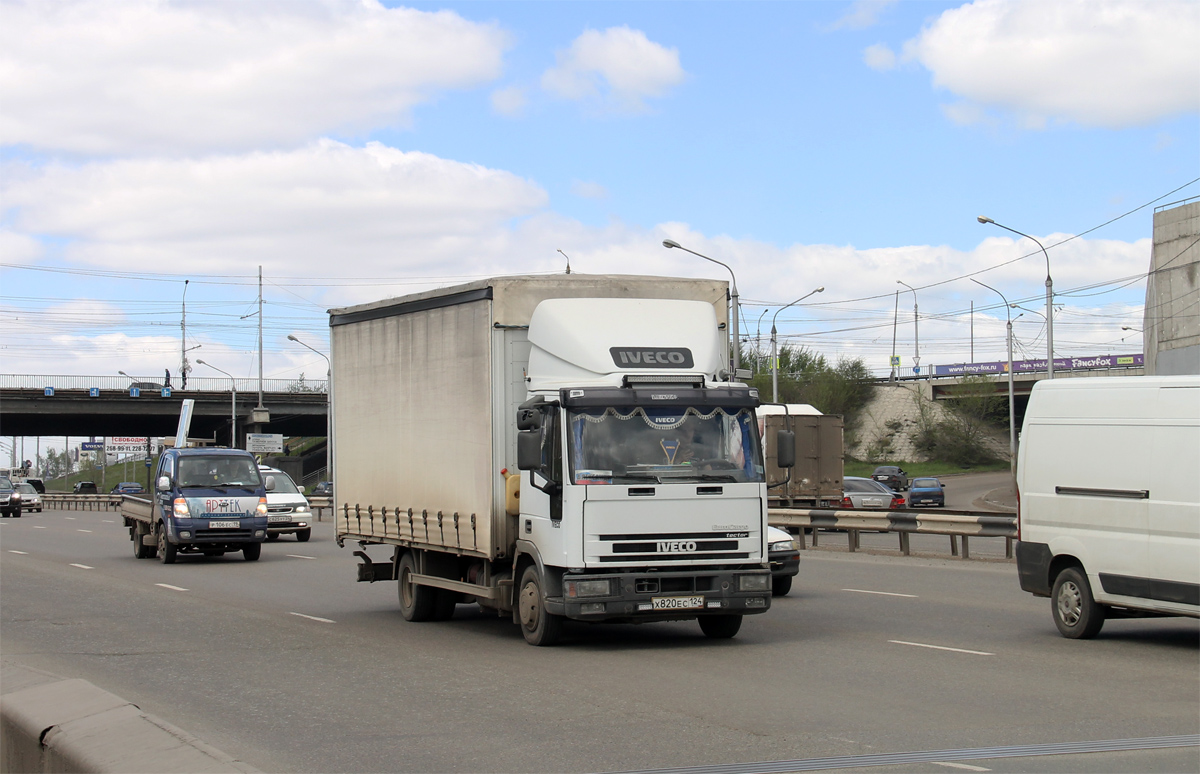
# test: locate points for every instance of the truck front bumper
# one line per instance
(667, 596)
(198, 532)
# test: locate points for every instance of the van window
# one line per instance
(218, 471)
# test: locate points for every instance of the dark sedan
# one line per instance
(891, 476)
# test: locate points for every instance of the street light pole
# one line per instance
(233, 444)
(758, 342)
(916, 328)
(328, 408)
(774, 353)
(737, 344)
(1012, 426)
(1049, 296)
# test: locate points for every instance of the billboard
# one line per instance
(1033, 366)
(132, 445)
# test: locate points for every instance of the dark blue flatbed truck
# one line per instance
(206, 501)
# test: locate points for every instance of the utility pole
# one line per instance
(972, 331)
(260, 339)
(183, 363)
(895, 320)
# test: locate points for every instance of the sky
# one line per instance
(357, 150)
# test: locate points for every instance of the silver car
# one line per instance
(865, 494)
(30, 499)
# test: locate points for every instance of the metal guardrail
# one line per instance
(958, 525)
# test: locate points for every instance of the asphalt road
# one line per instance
(290, 665)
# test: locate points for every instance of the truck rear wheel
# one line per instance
(166, 549)
(140, 549)
(251, 551)
(417, 603)
(720, 627)
(538, 626)
(1075, 611)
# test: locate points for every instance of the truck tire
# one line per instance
(417, 603)
(302, 535)
(251, 551)
(140, 549)
(781, 586)
(539, 627)
(1075, 611)
(166, 549)
(720, 627)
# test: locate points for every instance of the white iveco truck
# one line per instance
(552, 448)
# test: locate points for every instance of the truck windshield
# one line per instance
(670, 444)
(218, 472)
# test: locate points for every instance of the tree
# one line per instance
(960, 436)
(807, 377)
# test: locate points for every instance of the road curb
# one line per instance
(48, 723)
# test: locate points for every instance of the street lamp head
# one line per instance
(820, 290)
(669, 243)
(201, 362)
(983, 219)
(292, 338)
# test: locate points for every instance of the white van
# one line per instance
(287, 508)
(1108, 480)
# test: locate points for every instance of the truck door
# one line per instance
(165, 498)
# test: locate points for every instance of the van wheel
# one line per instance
(1076, 613)
(781, 586)
(251, 551)
(303, 535)
(538, 626)
(720, 627)
(166, 549)
(272, 536)
(416, 602)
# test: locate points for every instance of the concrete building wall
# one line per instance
(1171, 328)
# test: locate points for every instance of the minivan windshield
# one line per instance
(218, 472)
(283, 482)
(631, 444)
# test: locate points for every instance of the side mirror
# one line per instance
(269, 484)
(529, 419)
(785, 449)
(163, 483)
(529, 449)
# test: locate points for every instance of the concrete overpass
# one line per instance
(105, 406)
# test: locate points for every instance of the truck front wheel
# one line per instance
(1076, 613)
(417, 603)
(251, 551)
(166, 549)
(720, 627)
(538, 626)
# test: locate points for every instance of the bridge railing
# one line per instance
(199, 383)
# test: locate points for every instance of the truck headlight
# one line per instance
(754, 582)
(587, 588)
(181, 508)
(261, 510)
(785, 545)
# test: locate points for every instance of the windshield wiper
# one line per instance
(637, 477)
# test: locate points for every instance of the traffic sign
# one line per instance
(895, 361)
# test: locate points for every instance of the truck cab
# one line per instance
(209, 501)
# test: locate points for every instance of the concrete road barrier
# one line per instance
(51, 724)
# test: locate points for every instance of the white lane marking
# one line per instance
(82, 566)
(38, 526)
(298, 556)
(966, 766)
(83, 530)
(313, 618)
(169, 586)
(70, 518)
(22, 553)
(884, 593)
(107, 521)
(942, 647)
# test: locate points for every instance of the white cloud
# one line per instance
(509, 101)
(862, 14)
(1109, 63)
(146, 76)
(588, 190)
(18, 248)
(326, 205)
(618, 66)
(879, 57)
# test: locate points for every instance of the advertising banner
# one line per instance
(1033, 366)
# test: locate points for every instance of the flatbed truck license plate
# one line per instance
(677, 603)
(224, 524)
